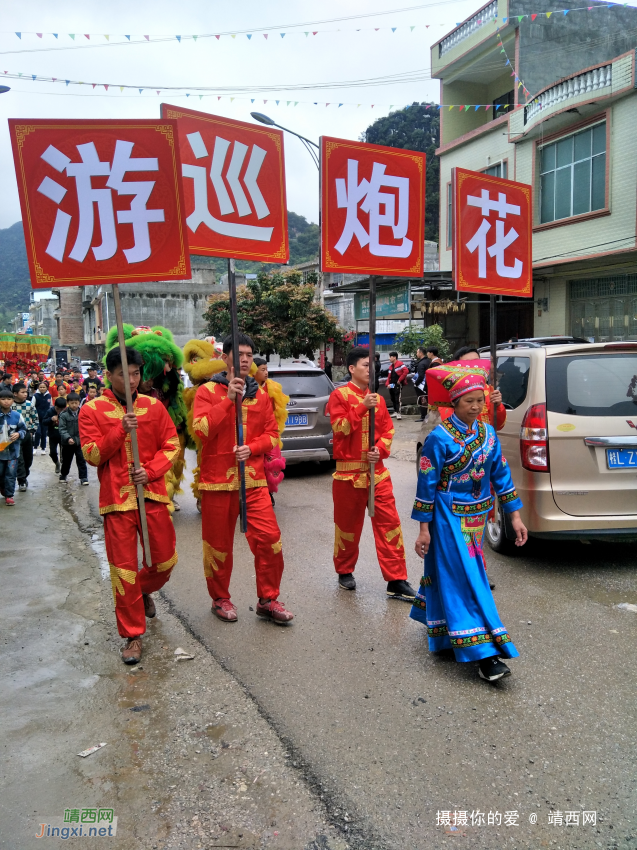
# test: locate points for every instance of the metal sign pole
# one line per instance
(494, 370)
(234, 332)
(372, 388)
(129, 409)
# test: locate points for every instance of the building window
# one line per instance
(605, 309)
(573, 175)
(498, 170)
(449, 215)
(506, 102)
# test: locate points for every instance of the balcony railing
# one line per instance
(484, 16)
(598, 78)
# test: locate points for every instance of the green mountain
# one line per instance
(15, 284)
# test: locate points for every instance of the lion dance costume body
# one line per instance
(162, 364)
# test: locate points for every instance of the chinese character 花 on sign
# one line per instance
(234, 186)
(372, 209)
(101, 201)
(492, 234)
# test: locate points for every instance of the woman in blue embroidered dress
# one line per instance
(460, 459)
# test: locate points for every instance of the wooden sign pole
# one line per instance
(236, 361)
(494, 367)
(372, 388)
(133, 434)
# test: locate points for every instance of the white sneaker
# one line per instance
(398, 416)
(393, 414)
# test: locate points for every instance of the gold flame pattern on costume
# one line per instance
(395, 532)
(118, 574)
(339, 537)
(91, 454)
(210, 558)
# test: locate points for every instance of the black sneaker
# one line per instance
(400, 589)
(347, 581)
(58, 467)
(62, 479)
(491, 583)
(493, 668)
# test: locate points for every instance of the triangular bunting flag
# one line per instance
(67, 82)
(55, 34)
(93, 84)
(296, 103)
(86, 35)
(218, 97)
(249, 35)
(461, 107)
(497, 106)
(233, 35)
(476, 109)
(340, 104)
(566, 11)
(282, 34)
(488, 106)
(548, 14)
(53, 79)
(521, 18)
(277, 102)
(306, 34)
(39, 34)
(107, 37)
(141, 90)
(265, 35)
(217, 37)
(439, 106)
(188, 95)
(265, 101)
(72, 35)
(106, 87)
(288, 102)
(178, 37)
(314, 33)
(504, 20)
(194, 38)
(411, 29)
(19, 34)
(533, 17)
(508, 62)
(450, 108)
(372, 105)
(467, 108)
(231, 99)
(20, 74)
(393, 29)
(121, 88)
(147, 37)
(327, 104)
(200, 96)
(34, 76)
(251, 100)
(127, 36)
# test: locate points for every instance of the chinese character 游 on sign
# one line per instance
(101, 201)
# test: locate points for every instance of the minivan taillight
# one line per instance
(534, 447)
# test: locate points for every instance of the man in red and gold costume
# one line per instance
(349, 408)
(214, 423)
(105, 429)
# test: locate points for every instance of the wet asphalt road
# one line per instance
(391, 735)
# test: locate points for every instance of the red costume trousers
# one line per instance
(121, 529)
(219, 513)
(349, 516)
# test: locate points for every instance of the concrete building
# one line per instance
(177, 305)
(572, 140)
(44, 303)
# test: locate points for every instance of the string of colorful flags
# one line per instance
(283, 32)
(519, 82)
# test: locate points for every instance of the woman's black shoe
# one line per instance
(493, 668)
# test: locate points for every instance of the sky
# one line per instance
(239, 67)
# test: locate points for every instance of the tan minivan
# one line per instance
(570, 439)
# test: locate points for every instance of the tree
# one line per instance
(409, 340)
(416, 128)
(279, 312)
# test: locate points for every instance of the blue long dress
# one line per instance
(458, 465)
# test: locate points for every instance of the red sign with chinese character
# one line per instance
(372, 209)
(234, 185)
(101, 201)
(492, 234)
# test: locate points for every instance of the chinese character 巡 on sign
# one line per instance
(372, 209)
(101, 201)
(492, 234)
(234, 185)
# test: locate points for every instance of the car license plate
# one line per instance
(621, 458)
(296, 419)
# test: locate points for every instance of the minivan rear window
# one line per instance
(304, 384)
(513, 380)
(587, 385)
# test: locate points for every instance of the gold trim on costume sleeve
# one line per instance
(91, 453)
(171, 454)
(201, 425)
(342, 426)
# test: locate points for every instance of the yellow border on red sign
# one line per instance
(24, 130)
(461, 174)
(280, 253)
(328, 264)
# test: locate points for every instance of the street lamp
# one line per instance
(4, 89)
(264, 119)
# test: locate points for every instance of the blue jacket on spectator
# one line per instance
(14, 422)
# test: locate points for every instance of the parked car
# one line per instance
(308, 433)
(570, 439)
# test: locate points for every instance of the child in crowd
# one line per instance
(26, 408)
(42, 400)
(70, 440)
(92, 394)
(51, 423)
(12, 430)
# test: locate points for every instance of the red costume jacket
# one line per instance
(107, 446)
(350, 424)
(214, 424)
(401, 373)
(53, 389)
